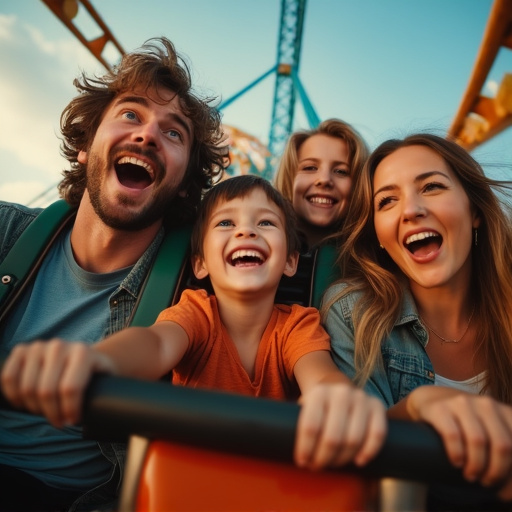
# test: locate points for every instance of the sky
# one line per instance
(388, 67)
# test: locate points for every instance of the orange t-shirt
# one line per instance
(212, 360)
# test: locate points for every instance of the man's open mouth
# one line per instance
(246, 258)
(422, 244)
(134, 173)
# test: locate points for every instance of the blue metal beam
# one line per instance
(288, 59)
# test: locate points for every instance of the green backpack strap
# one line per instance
(22, 261)
(162, 281)
(325, 272)
(30, 246)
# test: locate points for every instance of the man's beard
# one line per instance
(118, 217)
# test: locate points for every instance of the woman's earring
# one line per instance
(381, 246)
(476, 236)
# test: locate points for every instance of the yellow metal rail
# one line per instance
(66, 10)
(479, 117)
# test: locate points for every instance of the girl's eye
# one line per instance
(309, 168)
(266, 223)
(225, 223)
(342, 172)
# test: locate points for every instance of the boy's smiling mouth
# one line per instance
(132, 172)
(247, 258)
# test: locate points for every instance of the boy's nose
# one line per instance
(245, 231)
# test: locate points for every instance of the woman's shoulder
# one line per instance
(342, 292)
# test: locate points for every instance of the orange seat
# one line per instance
(183, 478)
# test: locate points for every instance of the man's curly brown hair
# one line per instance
(156, 64)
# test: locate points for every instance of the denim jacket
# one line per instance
(405, 363)
(14, 219)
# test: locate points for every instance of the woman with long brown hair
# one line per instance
(423, 317)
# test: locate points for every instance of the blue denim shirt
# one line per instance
(14, 219)
(405, 363)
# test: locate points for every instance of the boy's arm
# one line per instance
(338, 422)
(50, 377)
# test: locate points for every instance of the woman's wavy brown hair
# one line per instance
(156, 64)
(369, 269)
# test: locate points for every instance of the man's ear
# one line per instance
(82, 157)
(291, 264)
(199, 268)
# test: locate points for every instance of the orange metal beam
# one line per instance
(479, 117)
(66, 10)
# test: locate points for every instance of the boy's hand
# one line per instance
(476, 432)
(338, 423)
(49, 378)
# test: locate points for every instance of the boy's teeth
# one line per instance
(246, 254)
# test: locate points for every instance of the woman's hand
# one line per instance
(338, 423)
(50, 377)
(476, 432)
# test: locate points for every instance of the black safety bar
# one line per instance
(117, 407)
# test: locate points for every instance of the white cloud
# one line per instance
(6, 26)
(24, 192)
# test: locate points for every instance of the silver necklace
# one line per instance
(447, 340)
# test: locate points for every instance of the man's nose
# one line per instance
(148, 134)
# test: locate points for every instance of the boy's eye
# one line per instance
(225, 223)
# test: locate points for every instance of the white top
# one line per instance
(473, 385)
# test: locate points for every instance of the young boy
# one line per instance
(236, 340)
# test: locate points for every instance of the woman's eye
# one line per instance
(434, 185)
(382, 202)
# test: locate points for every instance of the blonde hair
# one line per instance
(372, 272)
(358, 152)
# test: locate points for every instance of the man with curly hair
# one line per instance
(142, 148)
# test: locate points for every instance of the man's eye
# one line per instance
(173, 134)
(132, 116)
